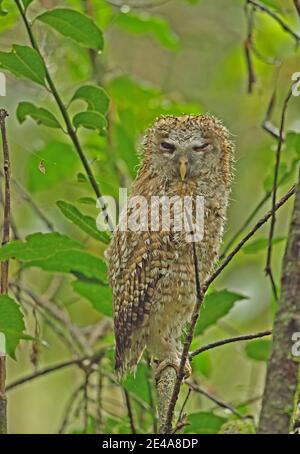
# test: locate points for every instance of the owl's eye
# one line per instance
(167, 146)
(203, 147)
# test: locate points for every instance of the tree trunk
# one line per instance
(282, 373)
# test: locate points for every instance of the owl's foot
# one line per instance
(160, 366)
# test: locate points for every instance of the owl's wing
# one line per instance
(137, 261)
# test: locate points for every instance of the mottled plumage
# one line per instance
(152, 273)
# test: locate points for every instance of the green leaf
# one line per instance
(11, 323)
(204, 423)
(126, 148)
(3, 12)
(23, 61)
(37, 246)
(202, 364)
(39, 114)
(259, 350)
(96, 98)
(216, 305)
(73, 261)
(81, 178)
(137, 385)
(268, 182)
(272, 3)
(292, 142)
(59, 160)
(26, 3)
(87, 201)
(144, 23)
(100, 296)
(84, 222)
(260, 245)
(74, 25)
(90, 120)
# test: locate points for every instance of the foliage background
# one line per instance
(178, 56)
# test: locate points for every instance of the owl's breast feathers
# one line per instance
(142, 265)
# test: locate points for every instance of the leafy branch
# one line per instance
(70, 130)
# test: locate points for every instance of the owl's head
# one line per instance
(190, 147)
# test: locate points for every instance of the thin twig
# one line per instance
(129, 411)
(5, 264)
(268, 267)
(277, 18)
(247, 237)
(248, 48)
(58, 314)
(297, 6)
(229, 340)
(267, 124)
(47, 370)
(6, 218)
(196, 388)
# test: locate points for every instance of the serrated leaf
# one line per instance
(259, 350)
(59, 159)
(90, 120)
(23, 61)
(144, 23)
(39, 114)
(260, 245)
(100, 296)
(84, 222)
(216, 305)
(77, 26)
(96, 98)
(11, 323)
(75, 262)
(36, 246)
(204, 423)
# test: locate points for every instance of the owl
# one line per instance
(151, 270)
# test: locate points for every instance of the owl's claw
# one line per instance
(160, 366)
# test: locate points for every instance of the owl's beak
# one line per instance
(183, 167)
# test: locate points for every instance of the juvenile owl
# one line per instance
(151, 268)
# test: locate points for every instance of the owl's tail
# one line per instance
(127, 359)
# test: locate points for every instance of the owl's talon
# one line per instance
(160, 366)
(187, 370)
(163, 365)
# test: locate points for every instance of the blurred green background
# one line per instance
(165, 57)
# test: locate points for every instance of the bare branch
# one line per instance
(5, 264)
(85, 361)
(268, 267)
(6, 219)
(129, 411)
(220, 403)
(229, 340)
